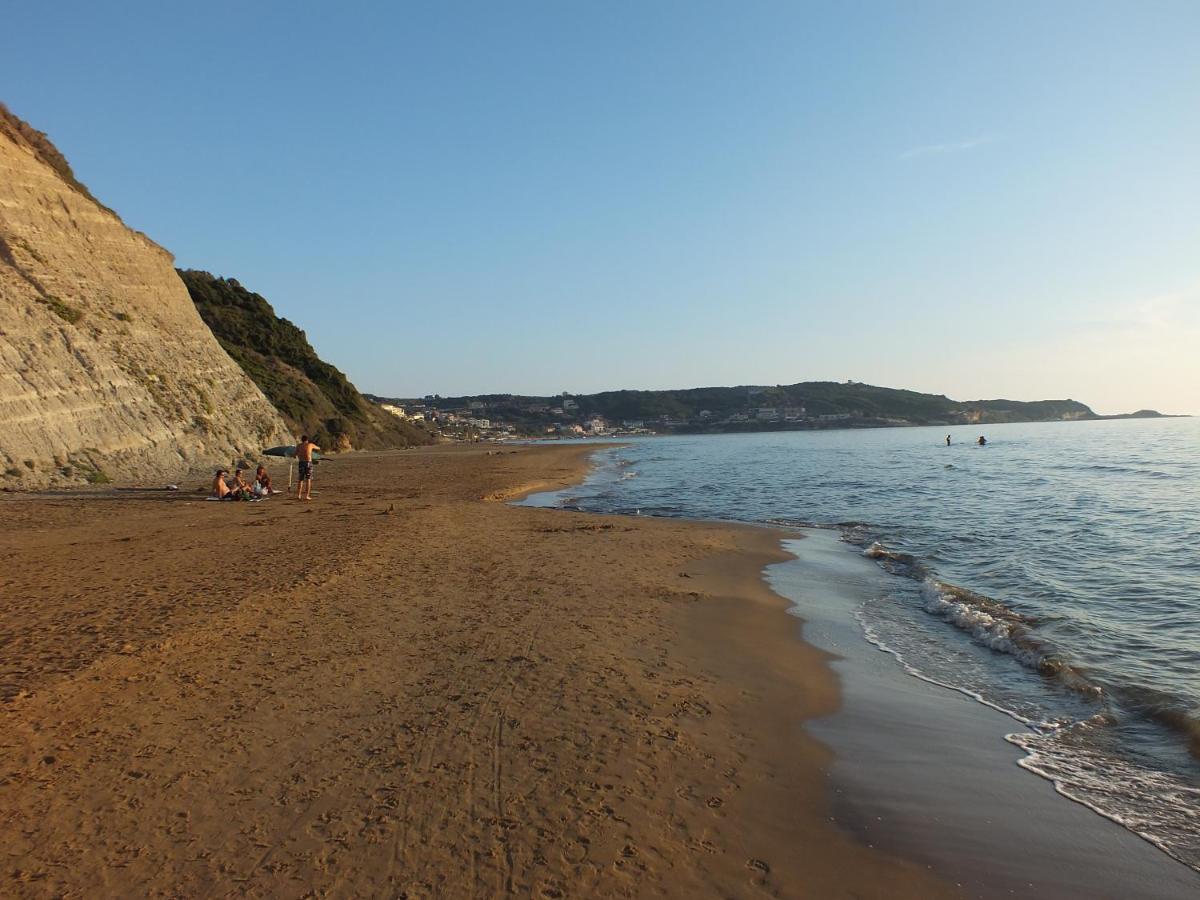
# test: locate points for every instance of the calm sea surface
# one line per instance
(1054, 574)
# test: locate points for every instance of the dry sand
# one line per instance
(402, 689)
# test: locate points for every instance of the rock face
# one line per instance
(106, 369)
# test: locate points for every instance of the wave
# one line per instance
(1171, 712)
(1117, 470)
(989, 622)
(1160, 807)
(791, 523)
(1080, 758)
(873, 638)
(895, 561)
(1115, 787)
(998, 627)
(1097, 734)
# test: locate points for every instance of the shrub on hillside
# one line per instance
(315, 397)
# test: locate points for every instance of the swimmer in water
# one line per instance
(982, 441)
(947, 440)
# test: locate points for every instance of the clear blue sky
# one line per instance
(978, 199)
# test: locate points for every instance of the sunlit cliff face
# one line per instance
(106, 370)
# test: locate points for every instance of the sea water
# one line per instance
(1053, 574)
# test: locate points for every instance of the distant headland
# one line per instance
(806, 405)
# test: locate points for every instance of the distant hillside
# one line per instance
(1143, 414)
(810, 404)
(314, 397)
(827, 398)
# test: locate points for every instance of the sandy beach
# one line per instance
(405, 689)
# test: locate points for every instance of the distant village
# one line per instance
(511, 417)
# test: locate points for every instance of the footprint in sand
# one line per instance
(576, 852)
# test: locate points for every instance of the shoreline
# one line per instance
(400, 688)
(1069, 831)
(618, 436)
(774, 684)
(948, 787)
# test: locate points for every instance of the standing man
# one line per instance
(304, 452)
(947, 440)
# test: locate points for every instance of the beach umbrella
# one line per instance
(288, 451)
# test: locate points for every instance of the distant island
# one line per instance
(806, 405)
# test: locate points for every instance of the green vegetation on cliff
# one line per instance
(314, 397)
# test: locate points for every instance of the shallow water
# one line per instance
(1053, 574)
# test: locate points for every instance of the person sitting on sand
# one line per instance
(240, 487)
(304, 452)
(220, 489)
(262, 482)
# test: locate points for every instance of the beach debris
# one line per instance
(579, 526)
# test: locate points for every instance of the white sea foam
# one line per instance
(1161, 808)
(992, 630)
(989, 623)
(1044, 551)
(873, 638)
(1158, 806)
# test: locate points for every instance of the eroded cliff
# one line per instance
(106, 369)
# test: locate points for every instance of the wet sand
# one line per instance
(407, 688)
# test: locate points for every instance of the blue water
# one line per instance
(1054, 574)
